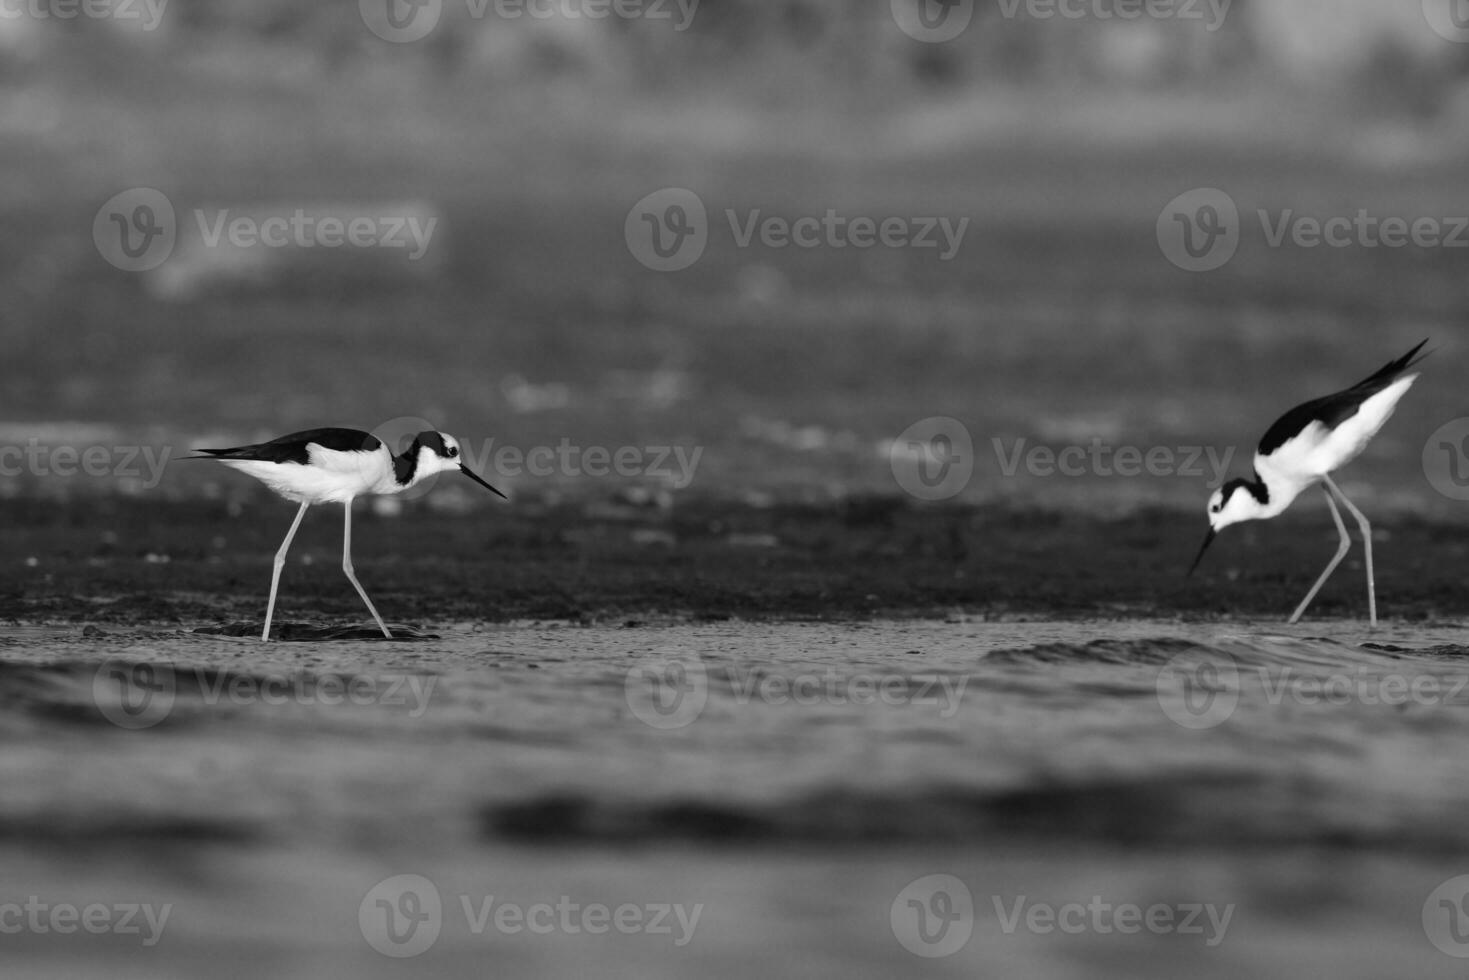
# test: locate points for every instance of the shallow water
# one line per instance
(790, 780)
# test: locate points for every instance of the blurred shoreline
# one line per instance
(528, 320)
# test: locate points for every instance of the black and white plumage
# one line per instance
(1302, 448)
(336, 466)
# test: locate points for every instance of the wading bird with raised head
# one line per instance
(336, 466)
(1302, 448)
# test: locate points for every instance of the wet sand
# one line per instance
(800, 779)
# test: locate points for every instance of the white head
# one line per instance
(435, 452)
(1234, 502)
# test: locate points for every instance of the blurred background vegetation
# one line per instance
(530, 139)
(779, 52)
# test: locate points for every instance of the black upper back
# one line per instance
(292, 448)
(1335, 409)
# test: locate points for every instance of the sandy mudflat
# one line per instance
(143, 561)
(792, 780)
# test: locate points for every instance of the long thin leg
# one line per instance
(275, 577)
(1341, 552)
(347, 567)
(1366, 530)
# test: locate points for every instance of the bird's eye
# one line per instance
(1214, 509)
(453, 451)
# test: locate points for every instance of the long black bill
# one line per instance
(475, 477)
(1208, 540)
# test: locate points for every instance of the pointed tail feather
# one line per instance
(1393, 370)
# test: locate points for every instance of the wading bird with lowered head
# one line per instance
(336, 466)
(1302, 448)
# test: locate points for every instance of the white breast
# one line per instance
(330, 477)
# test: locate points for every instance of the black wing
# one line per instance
(292, 448)
(1333, 410)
